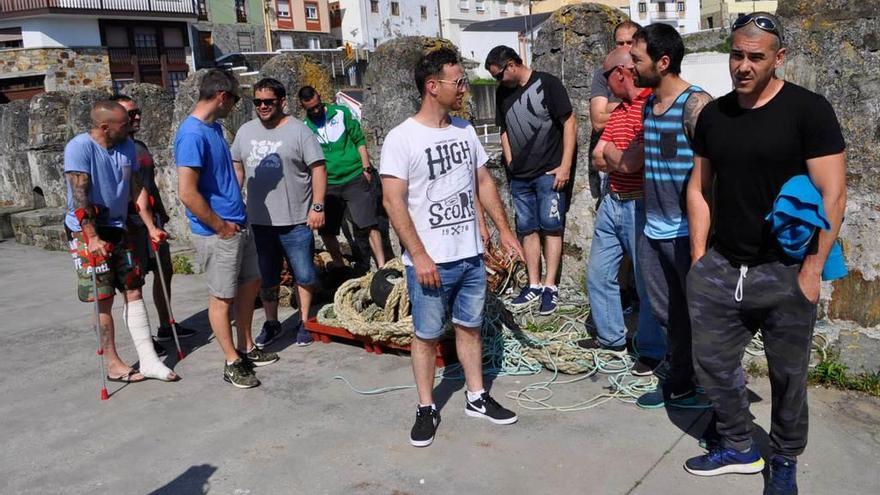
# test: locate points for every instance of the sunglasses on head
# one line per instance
(265, 101)
(134, 113)
(763, 22)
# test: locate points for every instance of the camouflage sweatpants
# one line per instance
(772, 301)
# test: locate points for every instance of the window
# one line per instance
(240, 10)
(314, 44)
(395, 8)
(661, 7)
(481, 7)
(710, 21)
(643, 7)
(374, 6)
(245, 42)
(424, 11)
(206, 46)
(203, 10)
(517, 8)
(286, 41)
(311, 12)
(283, 8)
(464, 5)
(174, 80)
(375, 42)
(681, 6)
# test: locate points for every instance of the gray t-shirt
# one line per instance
(599, 87)
(277, 176)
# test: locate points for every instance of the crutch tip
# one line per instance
(104, 394)
(180, 355)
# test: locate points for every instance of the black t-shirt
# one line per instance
(753, 153)
(532, 116)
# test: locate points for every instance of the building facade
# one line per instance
(227, 26)
(299, 24)
(73, 45)
(683, 15)
(366, 24)
(456, 15)
(722, 13)
(541, 6)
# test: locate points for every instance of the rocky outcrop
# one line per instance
(572, 43)
(296, 71)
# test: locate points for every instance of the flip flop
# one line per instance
(126, 378)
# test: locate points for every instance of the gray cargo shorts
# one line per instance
(227, 263)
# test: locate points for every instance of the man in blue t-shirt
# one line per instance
(210, 188)
(102, 178)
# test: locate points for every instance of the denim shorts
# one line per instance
(296, 242)
(462, 295)
(538, 207)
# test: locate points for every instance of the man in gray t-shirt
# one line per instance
(282, 166)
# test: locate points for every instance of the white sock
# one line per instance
(135, 315)
(535, 286)
(433, 406)
(551, 287)
(473, 396)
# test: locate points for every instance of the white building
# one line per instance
(683, 15)
(455, 15)
(476, 40)
(367, 24)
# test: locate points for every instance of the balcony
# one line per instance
(153, 8)
(126, 59)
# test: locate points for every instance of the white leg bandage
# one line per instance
(135, 315)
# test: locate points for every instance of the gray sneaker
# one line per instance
(240, 375)
(258, 357)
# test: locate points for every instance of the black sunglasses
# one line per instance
(265, 101)
(134, 113)
(500, 74)
(610, 71)
(763, 22)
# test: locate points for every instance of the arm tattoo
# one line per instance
(80, 183)
(692, 108)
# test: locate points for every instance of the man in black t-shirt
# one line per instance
(538, 134)
(748, 144)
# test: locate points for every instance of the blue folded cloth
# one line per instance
(797, 212)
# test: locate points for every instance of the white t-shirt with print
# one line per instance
(440, 166)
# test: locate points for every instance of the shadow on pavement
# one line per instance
(192, 481)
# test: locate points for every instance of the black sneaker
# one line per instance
(422, 434)
(644, 366)
(258, 357)
(271, 330)
(164, 334)
(160, 351)
(783, 477)
(486, 407)
(240, 375)
(594, 344)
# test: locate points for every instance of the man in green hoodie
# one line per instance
(348, 173)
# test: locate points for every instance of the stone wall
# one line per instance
(704, 41)
(66, 69)
(226, 41)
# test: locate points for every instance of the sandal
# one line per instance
(126, 378)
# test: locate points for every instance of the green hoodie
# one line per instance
(340, 136)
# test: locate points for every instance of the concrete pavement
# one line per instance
(302, 432)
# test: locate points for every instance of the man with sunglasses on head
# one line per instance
(141, 225)
(749, 143)
(349, 174)
(620, 220)
(436, 187)
(285, 179)
(538, 137)
(210, 188)
(670, 116)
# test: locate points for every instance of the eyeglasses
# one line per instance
(763, 22)
(265, 101)
(234, 96)
(610, 71)
(500, 74)
(134, 113)
(460, 83)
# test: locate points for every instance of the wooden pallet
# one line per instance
(323, 333)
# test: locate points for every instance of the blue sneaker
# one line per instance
(303, 336)
(270, 332)
(722, 460)
(656, 399)
(527, 296)
(783, 476)
(549, 301)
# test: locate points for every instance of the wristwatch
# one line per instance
(318, 207)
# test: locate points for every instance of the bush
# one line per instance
(181, 264)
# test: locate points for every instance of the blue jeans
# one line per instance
(618, 225)
(296, 242)
(538, 207)
(462, 294)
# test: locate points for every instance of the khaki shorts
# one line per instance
(227, 263)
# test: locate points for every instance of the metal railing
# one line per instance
(154, 6)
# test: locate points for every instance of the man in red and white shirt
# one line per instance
(620, 218)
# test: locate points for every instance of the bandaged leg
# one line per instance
(135, 315)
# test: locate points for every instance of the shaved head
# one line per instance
(618, 56)
(104, 112)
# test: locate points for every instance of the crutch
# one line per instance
(161, 269)
(93, 261)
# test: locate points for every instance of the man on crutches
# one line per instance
(101, 172)
(142, 227)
